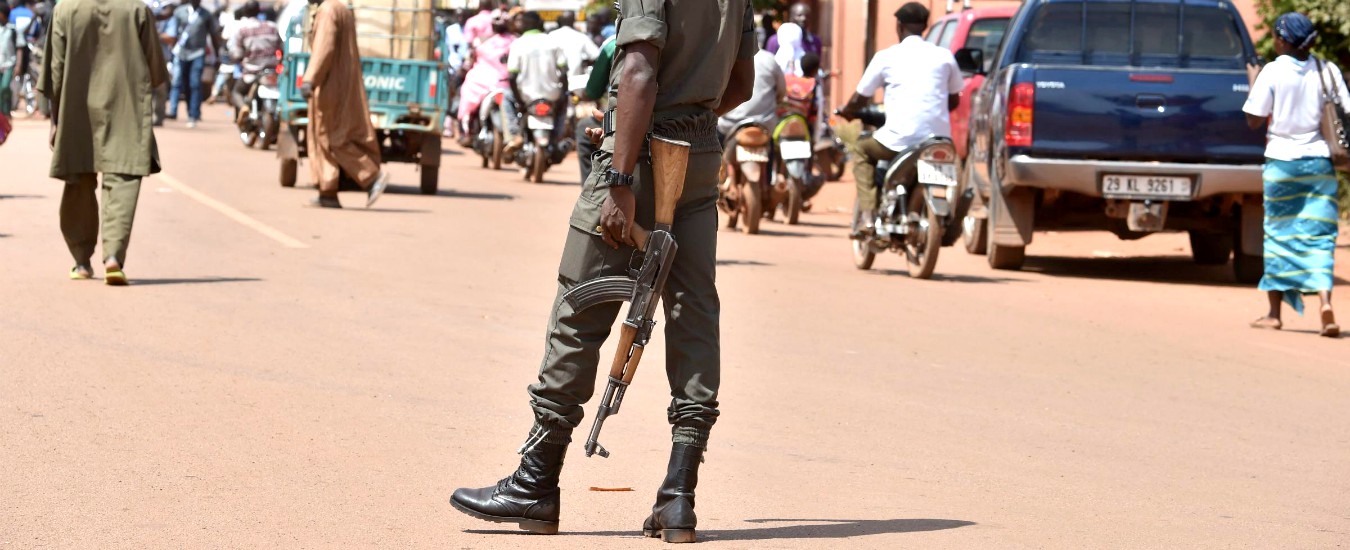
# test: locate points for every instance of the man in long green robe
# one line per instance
(103, 61)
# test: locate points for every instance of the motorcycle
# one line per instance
(261, 125)
(28, 84)
(915, 216)
(831, 156)
(487, 130)
(541, 149)
(746, 172)
(795, 183)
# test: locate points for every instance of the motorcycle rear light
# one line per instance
(542, 109)
(945, 155)
(1021, 104)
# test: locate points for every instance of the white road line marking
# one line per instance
(229, 212)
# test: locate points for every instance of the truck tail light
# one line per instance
(433, 85)
(1021, 103)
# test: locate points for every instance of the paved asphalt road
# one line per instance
(281, 377)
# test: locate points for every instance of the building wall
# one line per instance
(844, 29)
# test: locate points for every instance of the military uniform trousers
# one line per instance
(80, 215)
(567, 377)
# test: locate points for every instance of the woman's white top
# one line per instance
(1289, 91)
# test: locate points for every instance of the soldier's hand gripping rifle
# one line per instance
(643, 287)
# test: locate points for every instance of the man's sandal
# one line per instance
(81, 273)
(115, 278)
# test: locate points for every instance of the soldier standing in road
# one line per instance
(672, 80)
(101, 66)
(342, 140)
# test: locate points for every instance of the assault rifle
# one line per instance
(643, 287)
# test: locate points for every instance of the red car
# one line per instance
(974, 28)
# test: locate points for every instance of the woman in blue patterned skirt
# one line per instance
(1300, 183)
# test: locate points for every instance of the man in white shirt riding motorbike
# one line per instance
(922, 82)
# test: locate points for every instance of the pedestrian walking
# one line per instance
(702, 67)
(9, 59)
(342, 139)
(101, 65)
(197, 35)
(1300, 182)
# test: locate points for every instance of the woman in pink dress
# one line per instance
(487, 72)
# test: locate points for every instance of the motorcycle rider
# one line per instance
(770, 90)
(484, 72)
(254, 47)
(919, 78)
(538, 71)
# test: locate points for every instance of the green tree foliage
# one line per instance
(1332, 18)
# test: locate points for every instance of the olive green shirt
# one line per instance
(103, 61)
(699, 41)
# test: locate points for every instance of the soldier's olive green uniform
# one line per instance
(103, 61)
(697, 55)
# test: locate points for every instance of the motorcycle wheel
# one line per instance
(269, 130)
(540, 164)
(30, 103)
(248, 137)
(922, 245)
(973, 235)
(792, 207)
(752, 207)
(840, 163)
(497, 147)
(863, 255)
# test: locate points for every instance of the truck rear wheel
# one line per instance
(1001, 256)
(1211, 248)
(289, 167)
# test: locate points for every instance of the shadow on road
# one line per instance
(771, 232)
(2, 197)
(755, 263)
(450, 193)
(946, 278)
(1155, 269)
(823, 225)
(193, 281)
(798, 529)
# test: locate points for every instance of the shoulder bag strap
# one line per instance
(1333, 96)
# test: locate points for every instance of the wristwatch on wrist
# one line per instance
(617, 179)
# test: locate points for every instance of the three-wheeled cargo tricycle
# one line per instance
(404, 85)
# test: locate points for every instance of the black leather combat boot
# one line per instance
(673, 516)
(529, 497)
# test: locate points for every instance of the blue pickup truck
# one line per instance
(1118, 115)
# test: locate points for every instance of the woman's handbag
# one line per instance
(1335, 124)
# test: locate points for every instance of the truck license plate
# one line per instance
(937, 173)
(1131, 186)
